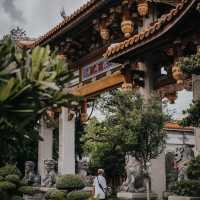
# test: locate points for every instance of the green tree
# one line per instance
(130, 125)
(191, 65)
(30, 84)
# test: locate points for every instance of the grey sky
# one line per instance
(35, 16)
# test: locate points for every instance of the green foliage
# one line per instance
(1, 178)
(130, 125)
(29, 190)
(193, 169)
(190, 187)
(187, 188)
(190, 65)
(30, 83)
(54, 194)
(10, 170)
(13, 178)
(4, 195)
(6, 185)
(76, 195)
(69, 182)
(192, 115)
(16, 198)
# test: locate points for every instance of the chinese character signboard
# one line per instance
(95, 69)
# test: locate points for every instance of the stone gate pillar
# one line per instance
(148, 79)
(66, 160)
(158, 175)
(196, 96)
(45, 147)
(158, 171)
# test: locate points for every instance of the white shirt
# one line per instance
(98, 191)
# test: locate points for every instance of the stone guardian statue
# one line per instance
(50, 176)
(135, 179)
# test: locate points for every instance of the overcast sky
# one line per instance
(34, 16)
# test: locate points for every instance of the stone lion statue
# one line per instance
(50, 177)
(135, 178)
(30, 177)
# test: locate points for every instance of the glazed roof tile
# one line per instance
(67, 21)
(174, 125)
(150, 31)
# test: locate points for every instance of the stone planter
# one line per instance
(182, 198)
(135, 196)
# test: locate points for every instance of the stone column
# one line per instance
(148, 79)
(158, 171)
(66, 161)
(197, 140)
(158, 175)
(196, 96)
(45, 147)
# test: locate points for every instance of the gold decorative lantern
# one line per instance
(177, 73)
(105, 34)
(127, 27)
(84, 117)
(143, 8)
(127, 87)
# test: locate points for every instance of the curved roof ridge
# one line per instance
(151, 30)
(66, 21)
(62, 24)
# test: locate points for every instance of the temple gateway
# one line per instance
(121, 43)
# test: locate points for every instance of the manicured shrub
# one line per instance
(1, 178)
(6, 185)
(9, 169)
(193, 169)
(187, 188)
(13, 178)
(29, 190)
(16, 198)
(54, 194)
(69, 182)
(76, 195)
(4, 195)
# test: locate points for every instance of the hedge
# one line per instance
(69, 182)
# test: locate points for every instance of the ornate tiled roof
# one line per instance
(86, 8)
(153, 30)
(83, 10)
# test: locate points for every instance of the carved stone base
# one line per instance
(135, 196)
(182, 198)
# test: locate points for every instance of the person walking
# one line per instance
(100, 185)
